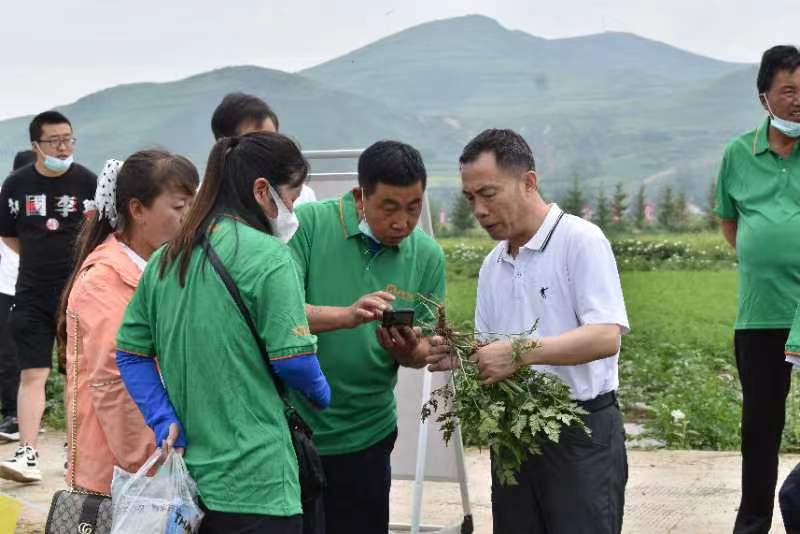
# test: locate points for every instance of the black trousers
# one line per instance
(357, 495)
(9, 370)
(765, 377)
(577, 486)
(228, 523)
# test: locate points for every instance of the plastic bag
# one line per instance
(164, 503)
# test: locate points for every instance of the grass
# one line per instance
(695, 308)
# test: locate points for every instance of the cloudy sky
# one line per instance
(55, 52)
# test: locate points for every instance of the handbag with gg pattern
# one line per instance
(75, 510)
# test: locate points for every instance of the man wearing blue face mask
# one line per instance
(359, 255)
(41, 210)
(758, 201)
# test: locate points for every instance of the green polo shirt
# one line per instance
(338, 267)
(761, 191)
(239, 449)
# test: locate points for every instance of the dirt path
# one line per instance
(685, 492)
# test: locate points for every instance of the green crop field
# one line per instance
(677, 371)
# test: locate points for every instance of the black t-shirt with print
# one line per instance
(45, 214)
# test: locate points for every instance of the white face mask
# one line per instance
(286, 223)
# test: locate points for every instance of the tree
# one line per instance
(619, 206)
(666, 209)
(639, 207)
(680, 212)
(573, 200)
(461, 216)
(712, 221)
(602, 214)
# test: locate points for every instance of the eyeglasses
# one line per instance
(55, 143)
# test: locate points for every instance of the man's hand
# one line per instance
(410, 349)
(368, 308)
(401, 342)
(440, 356)
(495, 362)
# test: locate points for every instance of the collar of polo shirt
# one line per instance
(542, 236)
(760, 140)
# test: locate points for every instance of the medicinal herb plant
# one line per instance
(513, 417)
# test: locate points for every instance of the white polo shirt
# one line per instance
(9, 267)
(564, 277)
(306, 195)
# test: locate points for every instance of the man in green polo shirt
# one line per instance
(365, 247)
(758, 201)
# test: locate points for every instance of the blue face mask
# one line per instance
(363, 226)
(366, 230)
(55, 164)
(787, 128)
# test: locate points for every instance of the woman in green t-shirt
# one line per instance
(217, 388)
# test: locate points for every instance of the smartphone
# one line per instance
(401, 317)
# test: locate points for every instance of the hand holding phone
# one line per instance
(400, 317)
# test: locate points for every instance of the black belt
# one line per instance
(600, 402)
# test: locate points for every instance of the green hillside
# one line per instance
(472, 65)
(177, 115)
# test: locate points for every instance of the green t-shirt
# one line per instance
(239, 450)
(761, 191)
(338, 267)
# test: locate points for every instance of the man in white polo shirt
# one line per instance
(560, 270)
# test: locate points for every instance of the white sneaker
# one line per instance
(23, 467)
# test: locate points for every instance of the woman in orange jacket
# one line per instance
(140, 206)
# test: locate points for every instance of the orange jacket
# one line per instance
(111, 430)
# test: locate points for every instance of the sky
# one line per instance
(53, 53)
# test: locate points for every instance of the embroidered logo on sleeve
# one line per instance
(66, 204)
(301, 330)
(13, 207)
(36, 205)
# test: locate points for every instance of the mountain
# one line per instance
(607, 108)
(472, 65)
(118, 121)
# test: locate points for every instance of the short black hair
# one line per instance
(24, 157)
(774, 60)
(391, 163)
(509, 148)
(237, 109)
(47, 117)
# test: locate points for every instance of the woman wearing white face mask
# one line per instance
(238, 446)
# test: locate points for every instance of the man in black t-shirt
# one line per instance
(42, 207)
